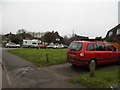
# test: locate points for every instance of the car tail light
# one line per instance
(82, 54)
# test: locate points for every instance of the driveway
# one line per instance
(19, 73)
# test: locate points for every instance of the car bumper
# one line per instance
(77, 62)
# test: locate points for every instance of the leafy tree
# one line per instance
(49, 37)
(52, 37)
(99, 38)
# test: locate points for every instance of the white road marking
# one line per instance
(8, 79)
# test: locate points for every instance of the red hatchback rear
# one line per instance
(81, 53)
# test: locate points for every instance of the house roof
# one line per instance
(114, 37)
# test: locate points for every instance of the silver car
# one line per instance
(12, 45)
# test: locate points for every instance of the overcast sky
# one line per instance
(90, 19)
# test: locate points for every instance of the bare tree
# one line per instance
(20, 31)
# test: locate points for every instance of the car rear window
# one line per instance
(75, 46)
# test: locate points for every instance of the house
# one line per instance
(74, 37)
(77, 38)
(37, 34)
(113, 36)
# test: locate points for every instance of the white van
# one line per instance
(31, 43)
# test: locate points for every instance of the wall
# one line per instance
(116, 44)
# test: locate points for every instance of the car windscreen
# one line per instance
(75, 46)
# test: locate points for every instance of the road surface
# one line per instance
(0, 69)
(19, 73)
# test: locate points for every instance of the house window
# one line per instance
(110, 33)
(118, 31)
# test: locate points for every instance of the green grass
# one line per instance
(104, 78)
(38, 56)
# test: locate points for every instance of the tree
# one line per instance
(52, 37)
(66, 40)
(99, 38)
(20, 31)
(16, 39)
(49, 37)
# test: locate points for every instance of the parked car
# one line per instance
(32, 46)
(65, 46)
(82, 53)
(56, 46)
(50, 46)
(12, 45)
(41, 46)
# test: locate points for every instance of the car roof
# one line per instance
(91, 41)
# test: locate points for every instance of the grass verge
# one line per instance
(38, 56)
(104, 78)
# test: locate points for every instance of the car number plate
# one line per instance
(73, 55)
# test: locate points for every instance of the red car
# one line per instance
(81, 53)
(41, 46)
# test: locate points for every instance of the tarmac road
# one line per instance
(19, 73)
(0, 74)
(0, 68)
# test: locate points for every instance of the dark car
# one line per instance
(32, 46)
(82, 53)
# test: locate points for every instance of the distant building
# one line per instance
(77, 37)
(113, 35)
(25, 36)
(74, 38)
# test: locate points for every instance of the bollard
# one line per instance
(92, 68)
(47, 60)
(2, 67)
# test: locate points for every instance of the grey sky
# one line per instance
(85, 18)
